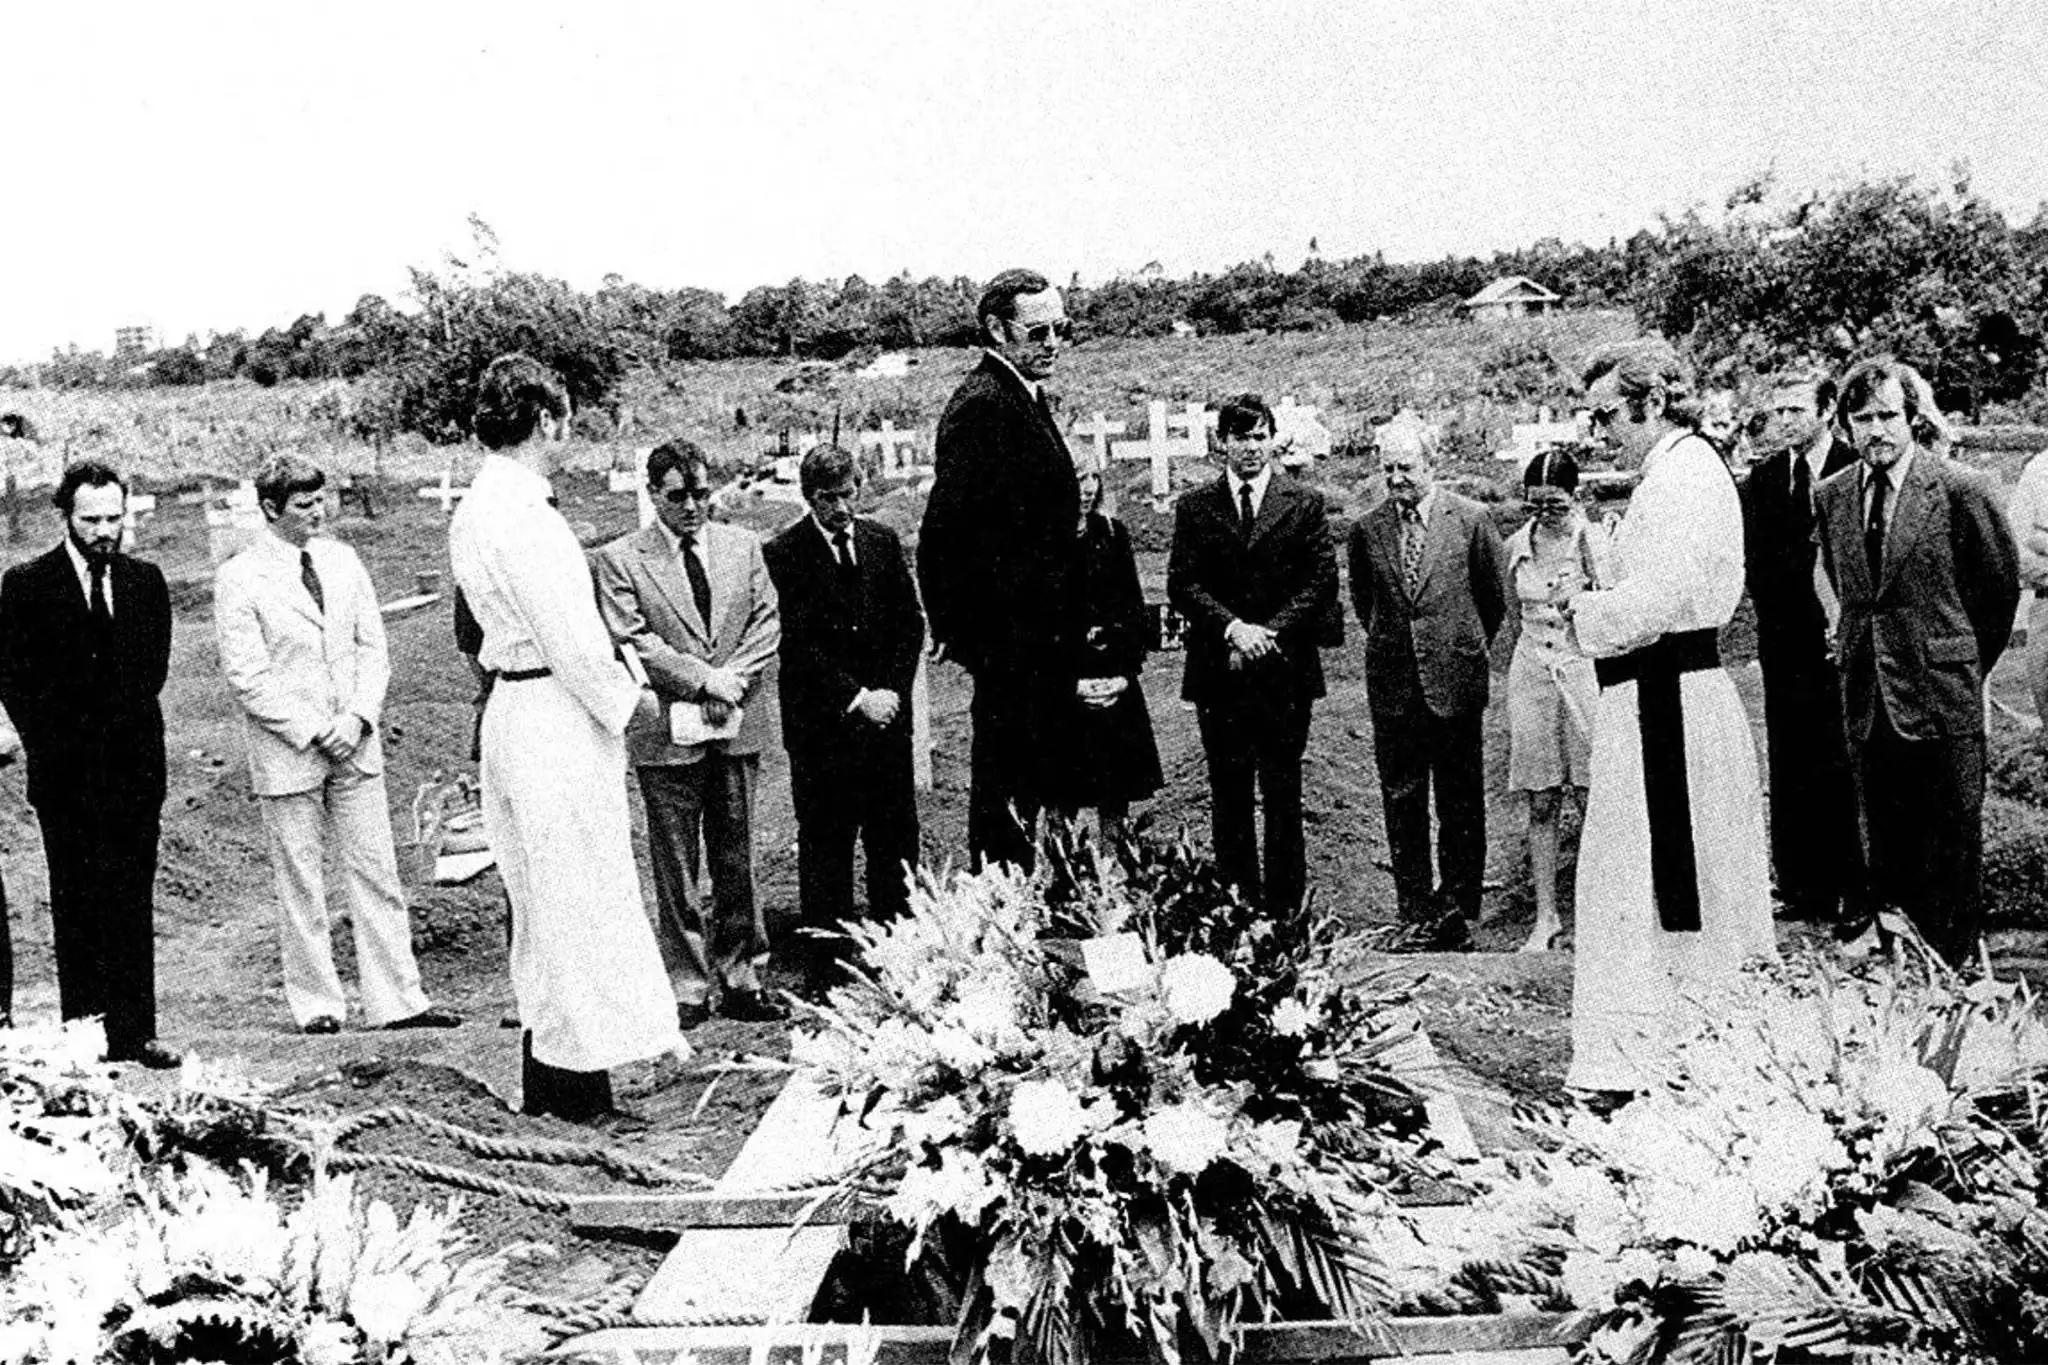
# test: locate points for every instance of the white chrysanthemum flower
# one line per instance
(1905, 1094)
(383, 1303)
(1275, 1143)
(961, 1050)
(1186, 1137)
(987, 1007)
(1291, 1018)
(329, 1343)
(1047, 1117)
(1590, 1279)
(1196, 987)
(1690, 1264)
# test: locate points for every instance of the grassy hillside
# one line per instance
(1354, 374)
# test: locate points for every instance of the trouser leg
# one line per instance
(1233, 773)
(1283, 741)
(674, 798)
(1457, 772)
(739, 942)
(825, 833)
(127, 839)
(76, 907)
(359, 817)
(888, 830)
(296, 828)
(1400, 750)
(1002, 819)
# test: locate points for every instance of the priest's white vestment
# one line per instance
(585, 968)
(1678, 567)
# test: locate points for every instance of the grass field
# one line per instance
(173, 437)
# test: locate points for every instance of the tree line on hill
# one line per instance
(1932, 274)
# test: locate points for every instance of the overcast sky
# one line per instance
(204, 166)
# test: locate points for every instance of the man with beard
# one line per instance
(994, 554)
(1815, 849)
(1919, 552)
(88, 643)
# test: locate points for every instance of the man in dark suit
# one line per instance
(1921, 556)
(1816, 851)
(1253, 570)
(994, 554)
(851, 632)
(87, 634)
(1428, 578)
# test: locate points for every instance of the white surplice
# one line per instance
(585, 968)
(1677, 561)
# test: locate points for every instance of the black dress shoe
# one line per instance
(690, 1013)
(1451, 934)
(321, 1023)
(433, 1016)
(752, 1007)
(151, 1054)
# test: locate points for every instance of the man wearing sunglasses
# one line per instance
(994, 555)
(692, 597)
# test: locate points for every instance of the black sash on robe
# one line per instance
(1660, 718)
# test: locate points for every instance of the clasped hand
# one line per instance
(1248, 641)
(1100, 693)
(878, 706)
(342, 737)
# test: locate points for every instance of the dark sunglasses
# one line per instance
(1038, 333)
(679, 496)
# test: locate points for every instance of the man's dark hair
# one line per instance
(282, 477)
(85, 474)
(827, 466)
(1929, 427)
(999, 299)
(681, 456)
(510, 398)
(1243, 415)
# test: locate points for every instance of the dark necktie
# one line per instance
(1873, 531)
(849, 572)
(311, 578)
(1246, 513)
(1802, 491)
(102, 614)
(700, 586)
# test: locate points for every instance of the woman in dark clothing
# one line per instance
(1104, 756)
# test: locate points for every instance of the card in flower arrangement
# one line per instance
(1116, 963)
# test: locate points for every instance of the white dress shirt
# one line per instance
(1257, 485)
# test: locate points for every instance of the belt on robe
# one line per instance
(522, 674)
(1660, 718)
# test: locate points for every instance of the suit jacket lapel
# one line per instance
(1272, 507)
(665, 569)
(1437, 543)
(1910, 508)
(1846, 512)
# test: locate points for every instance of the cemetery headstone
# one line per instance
(1096, 431)
(1307, 439)
(898, 449)
(445, 492)
(630, 481)
(1160, 446)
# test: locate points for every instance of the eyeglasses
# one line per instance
(1038, 333)
(679, 496)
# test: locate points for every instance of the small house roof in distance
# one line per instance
(1511, 289)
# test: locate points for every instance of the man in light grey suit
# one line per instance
(693, 599)
(1428, 576)
(1928, 575)
(302, 641)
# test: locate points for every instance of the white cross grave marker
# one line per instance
(1160, 446)
(889, 441)
(1308, 440)
(1098, 429)
(445, 492)
(1528, 439)
(629, 481)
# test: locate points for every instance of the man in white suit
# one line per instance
(693, 598)
(302, 641)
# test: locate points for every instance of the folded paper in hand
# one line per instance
(687, 726)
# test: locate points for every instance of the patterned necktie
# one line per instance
(700, 586)
(1873, 530)
(1247, 515)
(1411, 549)
(311, 578)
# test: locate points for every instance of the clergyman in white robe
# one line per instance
(1677, 558)
(585, 968)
